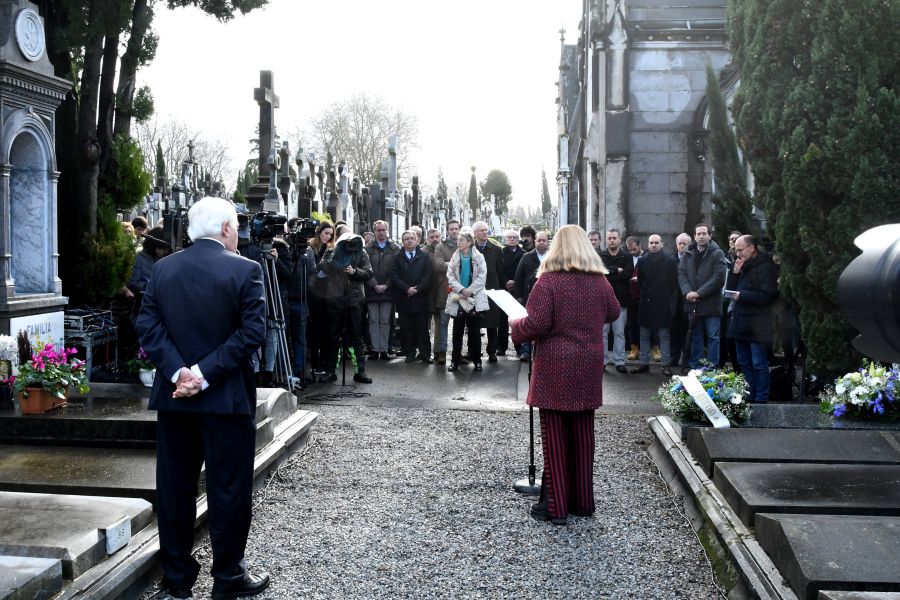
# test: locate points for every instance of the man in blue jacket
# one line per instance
(203, 316)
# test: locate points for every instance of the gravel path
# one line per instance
(418, 503)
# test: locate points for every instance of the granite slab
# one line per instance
(830, 552)
(794, 416)
(128, 472)
(752, 488)
(836, 595)
(65, 527)
(23, 578)
(710, 446)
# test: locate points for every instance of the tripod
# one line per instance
(275, 318)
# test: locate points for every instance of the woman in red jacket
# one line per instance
(567, 308)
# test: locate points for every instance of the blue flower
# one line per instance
(839, 410)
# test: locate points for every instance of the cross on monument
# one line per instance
(190, 151)
(268, 102)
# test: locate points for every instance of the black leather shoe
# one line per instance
(641, 369)
(384, 356)
(327, 378)
(425, 359)
(251, 585)
(477, 367)
(453, 367)
(373, 356)
(410, 358)
(539, 513)
(621, 369)
(361, 377)
(667, 371)
(492, 357)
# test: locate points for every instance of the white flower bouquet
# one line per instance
(726, 388)
(868, 393)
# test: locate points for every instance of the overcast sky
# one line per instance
(479, 75)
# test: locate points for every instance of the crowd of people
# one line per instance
(699, 304)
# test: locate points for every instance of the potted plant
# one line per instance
(725, 387)
(872, 392)
(43, 380)
(141, 365)
(8, 353)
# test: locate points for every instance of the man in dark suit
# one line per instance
(204, 314)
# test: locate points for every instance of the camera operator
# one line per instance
(346, 268)
(294, 268)
(154, 248)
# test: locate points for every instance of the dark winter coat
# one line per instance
(658, 281)
(621, 282)
(291, 269)
(525, 275)
(437, 297)
(343, 290)
(566, 314)
(511, 258)
(381, 260)
(417, 273)
(757, 283)
(705, 275)
(493, 258)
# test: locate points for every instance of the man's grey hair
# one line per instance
(512, 232)
(478, 224)
(683, 235)
(412, 231)
(207, 215)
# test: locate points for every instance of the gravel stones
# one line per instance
(400, 502)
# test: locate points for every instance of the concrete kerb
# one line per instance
(130, 571)
(739, 562)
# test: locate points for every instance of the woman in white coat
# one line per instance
(466, 275)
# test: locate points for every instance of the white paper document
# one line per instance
(507, 303)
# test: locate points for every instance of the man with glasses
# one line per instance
(751, 321)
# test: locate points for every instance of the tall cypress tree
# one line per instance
(820, 117)
(546, 206)
(474, 204)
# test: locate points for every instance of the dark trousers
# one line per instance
(317, 332)
(567, 438)
(460, 325)
(677, 339)
(184, 442)
(344, 321)
(414, 333)
(633, 330)
(491, 339)
(298, 335)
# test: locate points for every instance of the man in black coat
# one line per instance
(203, 315)
(493, 258)
(751, 320)
(620, 265)
(512, 254)
(410, 276)
(701, 278)
(658, 282)
(526, 275)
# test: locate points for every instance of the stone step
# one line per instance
(80, 531)
(711, 446)
(752, 488)
(829, 552)
(835, 595)
(125, 472)
(23, 578)
(265, 433)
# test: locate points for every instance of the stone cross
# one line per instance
(392, 164)
(268, 102)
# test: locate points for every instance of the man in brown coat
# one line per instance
(438, 295)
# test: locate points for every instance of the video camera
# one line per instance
(264, 226)
(352, 245)
(300, 233)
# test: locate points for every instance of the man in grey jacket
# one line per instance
(701, 277)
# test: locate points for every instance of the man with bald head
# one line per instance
(658, 282)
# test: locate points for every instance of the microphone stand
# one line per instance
(530, 486)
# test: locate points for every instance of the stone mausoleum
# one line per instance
(633, 115)
(30, 291)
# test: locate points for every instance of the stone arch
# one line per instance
(27, 149)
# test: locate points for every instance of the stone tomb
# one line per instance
(711, 446)
(751, 488)
(816, 552)
(72, 529)
(29, 578)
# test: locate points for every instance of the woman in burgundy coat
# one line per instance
(567, 308)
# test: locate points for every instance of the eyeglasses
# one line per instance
(740, 249)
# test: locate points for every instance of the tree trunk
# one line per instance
(107, 105)
(142, 16)
(86, 142)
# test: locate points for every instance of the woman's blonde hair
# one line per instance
(572, 251)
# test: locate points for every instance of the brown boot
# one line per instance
(655, 353)
(440, 358)
(633, 355)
